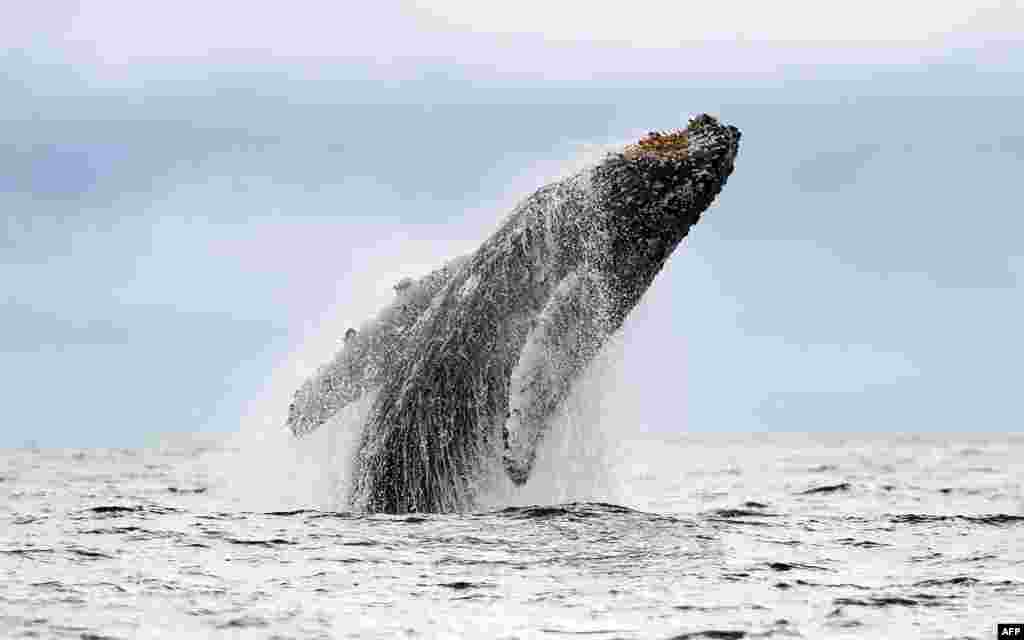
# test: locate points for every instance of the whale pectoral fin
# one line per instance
(568, 333)
(319, 398)
(334, 387)
(365, 360)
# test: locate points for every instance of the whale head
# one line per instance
(651, 194)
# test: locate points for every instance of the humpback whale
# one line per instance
(468, 365)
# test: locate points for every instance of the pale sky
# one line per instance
(305, 26)
(194, 191)
(114, 33)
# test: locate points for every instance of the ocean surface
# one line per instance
(699, 536)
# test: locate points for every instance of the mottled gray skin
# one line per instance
(367, 358)
(472, 360)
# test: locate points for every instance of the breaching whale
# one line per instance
(471, 361)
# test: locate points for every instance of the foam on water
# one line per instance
(755, 536)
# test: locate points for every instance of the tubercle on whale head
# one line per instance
(673, 144)
(701, 133)
(666, 179)
(652, 193)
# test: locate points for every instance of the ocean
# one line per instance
(697, 536)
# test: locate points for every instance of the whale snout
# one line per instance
(704, 150)
(652, 193)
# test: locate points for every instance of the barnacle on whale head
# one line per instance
(674, 144)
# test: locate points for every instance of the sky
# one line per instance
(197, 200)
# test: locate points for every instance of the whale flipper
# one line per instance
(567, 335)
(366, 359)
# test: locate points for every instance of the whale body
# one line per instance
(470, 363)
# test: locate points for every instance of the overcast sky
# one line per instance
(198, 198)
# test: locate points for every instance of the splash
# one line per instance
(468, 386)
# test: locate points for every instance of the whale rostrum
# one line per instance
(470, 362)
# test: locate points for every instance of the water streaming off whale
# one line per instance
(472, 362)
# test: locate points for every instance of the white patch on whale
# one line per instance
(566, 334)
(469, 286)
